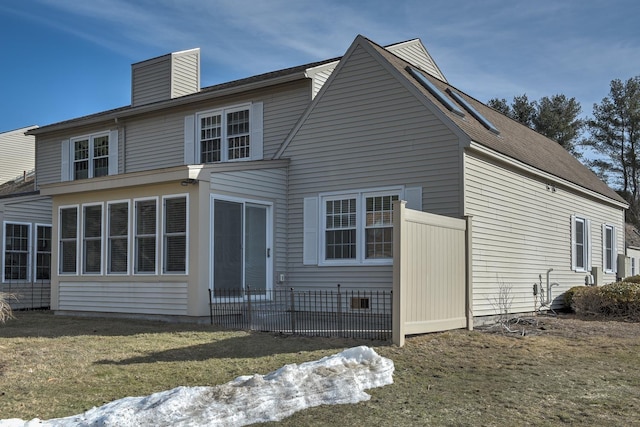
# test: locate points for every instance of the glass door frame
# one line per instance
(269, 242)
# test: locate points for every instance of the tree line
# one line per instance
(612, 132)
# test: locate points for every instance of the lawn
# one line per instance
(562, 371)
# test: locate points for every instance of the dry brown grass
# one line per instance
(6, 312)
(563, 371)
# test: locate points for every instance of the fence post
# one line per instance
(249, 308)
(293, 313)
(339, 301)
(211, 305)
(398, 305)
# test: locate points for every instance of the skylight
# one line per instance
(433, 90)
(475, 113)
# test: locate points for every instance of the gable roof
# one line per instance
(514, 140)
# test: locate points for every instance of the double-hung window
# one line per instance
(43, 252)
(146, 219)
(224, 135)
(358, 227)
(90, 156)
(118, 241)
(16, 252)
(92, 239)
(175, 235)
(580, 243)
(68, 240)
(609, 248)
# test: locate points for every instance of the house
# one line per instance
(17, 153)
(25, 218)
(287, 179)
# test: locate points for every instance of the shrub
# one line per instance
(619, 300)
(632, 279)
(5, 309)
(569, 295)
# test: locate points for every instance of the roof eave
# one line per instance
(118, 114)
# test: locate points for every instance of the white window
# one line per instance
(92, 239)
(609, 248)
(118, 240)
(633, 266)
(226, 134)
(68, 226)
(146, 220)
(356, 228)
(340, 228)
(43, 252)
(90, 156)
(580, 243)
(175, 235)
(16, 251)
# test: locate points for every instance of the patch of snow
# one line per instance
(337, 379)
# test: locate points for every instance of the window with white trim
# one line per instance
(175, 235)
(118, 240)
(90, 156)
(609, 248)
(358, 227)
(224, 135)
(68, 239)
(146, 220)
(92, 239)
(633, 266)
(16, 251)
(232, 133)
(581, 244)
(379, 226)
(43, 252)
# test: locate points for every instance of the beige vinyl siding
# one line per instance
(267, 185)
(366, 132)
(151, 81)
(414, 53)
(165, 298)
(17, 154)
(49, 150)
(185, 78)
(30, 209)
(157, 141)
(521, 229)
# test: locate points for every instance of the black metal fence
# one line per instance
(28, 295)
(337, 313)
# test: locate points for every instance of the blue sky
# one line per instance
(63, 59)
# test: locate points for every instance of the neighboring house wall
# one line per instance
(17, 153)
(522, 228)
(367, 132)
(634, 260)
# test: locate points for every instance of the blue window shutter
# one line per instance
(113, 152)
(413, 197)
(65, 155)
(310, 225)
(256, 139)
(190, 140)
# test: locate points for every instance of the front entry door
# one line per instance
(241, 252)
